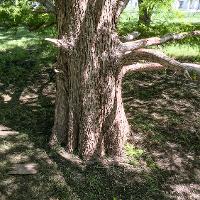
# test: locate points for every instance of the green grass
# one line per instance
(183, 52)
(133, 154)
(192, 17)
(19, 39)
(187, 50)
(129, 17)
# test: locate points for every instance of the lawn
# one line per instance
(186, 50)
(162, 108)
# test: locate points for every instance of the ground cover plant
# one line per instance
(163, 150)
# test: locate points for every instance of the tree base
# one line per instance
(83, 164)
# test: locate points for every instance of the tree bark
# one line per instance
(89, 116)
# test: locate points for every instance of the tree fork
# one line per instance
(89, 116)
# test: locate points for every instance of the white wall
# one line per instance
(132, 4)
(186, 4)
(195, 4)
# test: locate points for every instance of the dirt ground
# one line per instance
(164, 113)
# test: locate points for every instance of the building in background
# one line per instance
(133, 3)
(187, 5)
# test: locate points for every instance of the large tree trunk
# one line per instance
(89, 115)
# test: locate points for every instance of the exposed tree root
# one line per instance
(104, 162)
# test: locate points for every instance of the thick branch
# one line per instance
(56, 42)
(192, 67)
(60, 43)
(137, 67)
(133, 45)
(159, 57)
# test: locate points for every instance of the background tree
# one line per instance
(89, 115)
(28, 13)
(147, 9)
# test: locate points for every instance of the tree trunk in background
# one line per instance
(89, 115)
(144, 14)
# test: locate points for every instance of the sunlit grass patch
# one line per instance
(193, 17)
(134, 154)
(183, 51)
(17, 38)
(22, 42)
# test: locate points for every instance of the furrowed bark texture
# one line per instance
(89, 115)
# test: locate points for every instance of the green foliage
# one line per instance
(162, 23)
(127, 22)
(148, 7)
(36, 20)
(156, 4)
(21, 13)
(23, 53)
(11, 14)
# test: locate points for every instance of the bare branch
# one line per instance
(137, 67)
(192, 67)
(60, 43)
(56, 42)
(133, 45)
(159, 57)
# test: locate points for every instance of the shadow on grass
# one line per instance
(161, 110)
(26, 105)
(164, 112)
